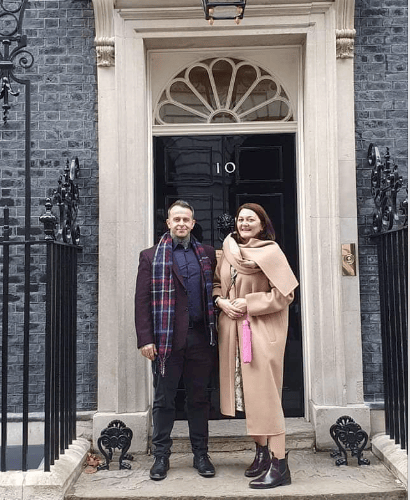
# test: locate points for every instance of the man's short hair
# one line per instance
(183, 204)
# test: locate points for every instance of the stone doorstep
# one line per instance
(392, 455)
(40, 485)
(231, 435)
(314, 476)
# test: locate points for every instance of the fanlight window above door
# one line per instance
(223, 90)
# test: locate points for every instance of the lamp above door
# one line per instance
(223, 9)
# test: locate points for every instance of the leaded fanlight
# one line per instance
(223, 90)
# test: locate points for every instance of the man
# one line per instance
(174, 321)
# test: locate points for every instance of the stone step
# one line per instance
(314, 476)
(231, 435)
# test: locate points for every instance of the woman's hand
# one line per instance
(234, 309)
(240, 304)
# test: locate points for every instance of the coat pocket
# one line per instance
(275, 326)
(266, 325)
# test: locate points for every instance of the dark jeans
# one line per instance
(194, 362)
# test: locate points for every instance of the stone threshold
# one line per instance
(231, 435)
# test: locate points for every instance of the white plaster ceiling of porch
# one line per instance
(184, 27)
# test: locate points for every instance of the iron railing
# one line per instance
(392, 249)
(57, 263)
(60, 350)
(392, 252)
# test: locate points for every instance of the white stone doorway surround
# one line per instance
(322, 33)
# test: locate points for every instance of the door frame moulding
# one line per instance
(332, 374)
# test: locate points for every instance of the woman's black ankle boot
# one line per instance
(260, 463)
(278, 474)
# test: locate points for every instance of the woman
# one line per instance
(254, 280)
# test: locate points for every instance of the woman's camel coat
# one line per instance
(266, 281)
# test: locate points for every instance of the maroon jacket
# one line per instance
(143, 311)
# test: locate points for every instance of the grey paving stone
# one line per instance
(314, 475)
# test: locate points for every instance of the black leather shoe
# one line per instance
(159, 469)
(204, 466)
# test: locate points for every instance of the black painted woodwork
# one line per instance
(259, 168)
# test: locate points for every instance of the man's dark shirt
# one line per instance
(190, 270)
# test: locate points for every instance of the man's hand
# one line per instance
(149, 351)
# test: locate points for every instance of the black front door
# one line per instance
(216, 174)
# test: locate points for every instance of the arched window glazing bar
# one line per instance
(226, 90)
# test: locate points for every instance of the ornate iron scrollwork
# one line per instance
(225, 225)
(49, 220)
(386, 183)
(348, 435)
(14, 53)
(67, 197)
(404, 207)
(116, 435)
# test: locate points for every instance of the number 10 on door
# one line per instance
(229, 167)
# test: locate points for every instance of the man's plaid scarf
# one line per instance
(163, 295)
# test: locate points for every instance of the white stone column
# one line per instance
(334, 344)
(124, 201)
(348, 228)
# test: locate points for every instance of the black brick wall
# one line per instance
(64, 122)
(60, 37)
(381, 83)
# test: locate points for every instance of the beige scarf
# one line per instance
(265, 255)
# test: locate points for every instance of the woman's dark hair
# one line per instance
(267, 233)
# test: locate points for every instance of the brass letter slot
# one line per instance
(348, 259)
